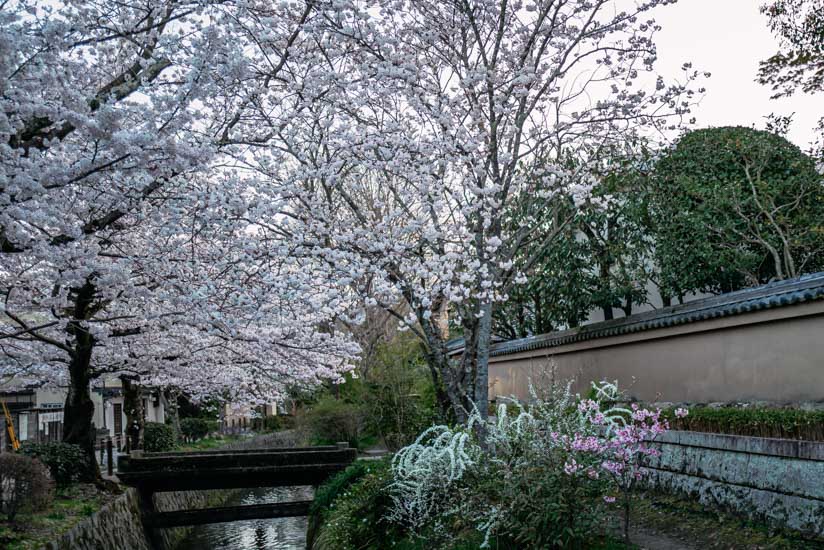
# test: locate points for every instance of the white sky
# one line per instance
(728, 38)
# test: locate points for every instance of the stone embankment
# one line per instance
(117, 526)
(777, 481)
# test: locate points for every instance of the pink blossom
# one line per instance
(615, 468)
(571, 467)
(586, 444)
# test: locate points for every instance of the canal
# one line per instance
(259, 534)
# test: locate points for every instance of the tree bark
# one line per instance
(441, 372)
(482, 361)
(172, 412)
(627, 306)
(608, 316)
(135, 415)
(78, 412)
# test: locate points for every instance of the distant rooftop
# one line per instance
(807, 288)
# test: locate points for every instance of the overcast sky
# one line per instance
(728, 38)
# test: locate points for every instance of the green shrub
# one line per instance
(196, 428)
(66, 462)
(158, 438)
(331, 420)
(349, 512)
(24, 484)
(273, 423)
(399, 398)
(752, 421)
(329, 491)
(353, 517)
(549, 509)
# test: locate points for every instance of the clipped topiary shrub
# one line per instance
(66, 462)
(158, 438)
(195, 428)
(24, 484)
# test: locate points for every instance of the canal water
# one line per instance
(258, 534)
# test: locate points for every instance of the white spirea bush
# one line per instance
(426, 468)
(556, 430)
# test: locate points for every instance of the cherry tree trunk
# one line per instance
(135, 415)
(440, 370)
(482, 362)
(172, 412)
(78, 413)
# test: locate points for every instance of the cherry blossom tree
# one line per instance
(123, 244)
(421, 123)
(195, 192)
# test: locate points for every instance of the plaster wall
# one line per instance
(775, 356)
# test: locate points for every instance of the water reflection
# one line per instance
(258, 534)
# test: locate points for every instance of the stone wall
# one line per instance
(117, 525)
(777, 481)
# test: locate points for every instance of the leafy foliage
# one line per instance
(196, 428)
(397, 392)
(158, 438)
(731, 207)
(559, 280)
(754, 421)
(331, 420)
(326, 494)
(275, 423)
(354, 518)
(538, 479)
(66, 462)
(24, 484)
(392, 398)
(800, 63)
(541, 480)
(598, 258)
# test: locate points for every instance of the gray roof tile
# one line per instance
(807, 288)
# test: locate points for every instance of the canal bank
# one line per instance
(118, 524)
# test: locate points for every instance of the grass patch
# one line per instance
(71, 505)
(209, 443)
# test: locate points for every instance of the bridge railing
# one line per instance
(249, 468)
